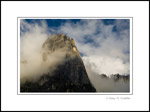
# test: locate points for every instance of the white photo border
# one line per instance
(60, 93)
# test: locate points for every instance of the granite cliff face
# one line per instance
(70, 76)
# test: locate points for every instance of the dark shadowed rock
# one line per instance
(70, 76)
(103, 76)
(118, 77)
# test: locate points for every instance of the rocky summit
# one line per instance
(70, 76)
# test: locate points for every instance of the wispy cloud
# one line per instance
(107, 46)
(32, 66)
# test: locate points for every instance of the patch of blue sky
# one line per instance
(53, 22)
(108, 21)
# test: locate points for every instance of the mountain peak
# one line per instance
(60, 42)
(71, 76)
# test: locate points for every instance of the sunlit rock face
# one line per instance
(69, 76)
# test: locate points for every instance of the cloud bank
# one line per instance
(105, 84)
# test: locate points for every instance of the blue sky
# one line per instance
(98, 40)
(54, 23)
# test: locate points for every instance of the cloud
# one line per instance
(33, 36)
(106, 65)
(106, 84)
(107, 46)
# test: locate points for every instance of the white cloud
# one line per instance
(32, 65)
(106, 65)
(106, 84)
(108, 50)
